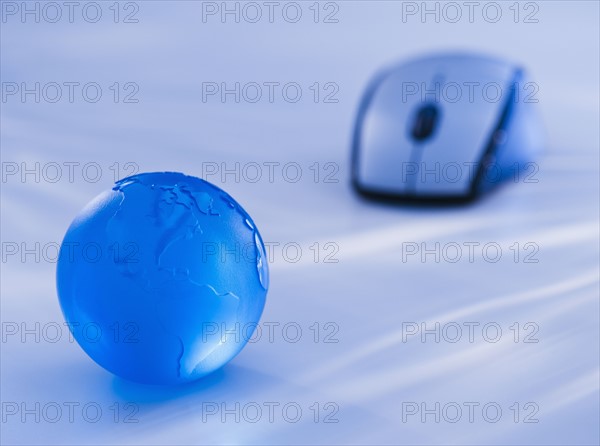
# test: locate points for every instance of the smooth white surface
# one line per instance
(370, 292)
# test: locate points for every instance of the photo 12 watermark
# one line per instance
(70, 12)
(54, 332)
(452, 92)
(453, 172)
(128, 332)
(66, 171)
(124, 253)
(70, 92)
(470, 12)
(271, 12)
(469, 252)
(489, 412)
(252, 92)
(326, 172)
(69, 412)
(272, 332)
(470, 332)
(290, 412)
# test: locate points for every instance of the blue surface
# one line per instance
(372, 294)
(163, 279)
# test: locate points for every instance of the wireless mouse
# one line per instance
(445, 127)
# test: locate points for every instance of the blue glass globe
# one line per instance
(163, 279)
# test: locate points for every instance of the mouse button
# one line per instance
(383, 146)
(425, 122)
(448, 161)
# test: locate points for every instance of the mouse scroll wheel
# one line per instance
(425, 122)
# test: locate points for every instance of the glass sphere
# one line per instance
(163, 279)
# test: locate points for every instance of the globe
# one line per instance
(163, 279)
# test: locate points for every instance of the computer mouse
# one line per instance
(446, 127)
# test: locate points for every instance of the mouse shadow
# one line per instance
(430, 203)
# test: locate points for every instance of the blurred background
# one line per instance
(95, 91)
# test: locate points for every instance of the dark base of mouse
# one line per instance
(417, 200)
